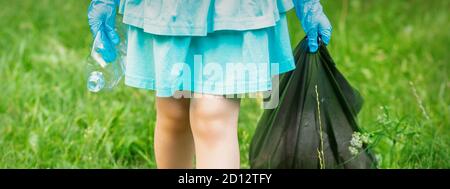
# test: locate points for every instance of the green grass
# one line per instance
(394, 52)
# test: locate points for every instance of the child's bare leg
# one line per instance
(214, 123)
(174, 145)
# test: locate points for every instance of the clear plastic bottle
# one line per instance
(102, 75)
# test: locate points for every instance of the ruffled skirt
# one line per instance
(221, 63)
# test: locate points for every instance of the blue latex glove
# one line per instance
(102, 19)
(314, 22)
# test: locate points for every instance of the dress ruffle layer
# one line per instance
(200, 17)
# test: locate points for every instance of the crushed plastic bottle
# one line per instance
(102, 75)
(96, 81)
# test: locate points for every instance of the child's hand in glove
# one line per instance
(314, 22)
(102, 18)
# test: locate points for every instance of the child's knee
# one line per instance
(172, 109)
(175, 120)
(175, 115)
(209, 122)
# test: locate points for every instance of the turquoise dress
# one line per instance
(218, 47)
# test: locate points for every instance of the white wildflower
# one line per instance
(365, 138)
(356, 140)
(354, 151)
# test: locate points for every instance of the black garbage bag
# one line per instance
(314, 121)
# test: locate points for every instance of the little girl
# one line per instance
(197, 55)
